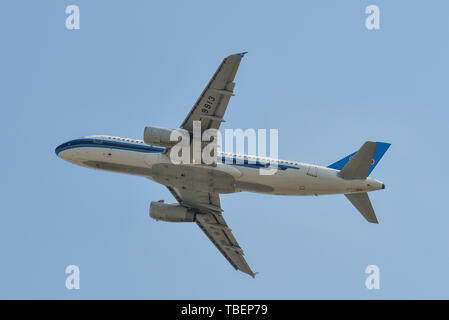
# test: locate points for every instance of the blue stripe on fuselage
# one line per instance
(97, 143)
(253, 164)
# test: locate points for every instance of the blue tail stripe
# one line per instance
(381, 148)
(341, 163)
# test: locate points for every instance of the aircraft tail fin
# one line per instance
(362, 203)
(360, 164)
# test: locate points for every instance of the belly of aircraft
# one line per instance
(220, 179)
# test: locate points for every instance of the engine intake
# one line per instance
(170, 212)
(156, 136)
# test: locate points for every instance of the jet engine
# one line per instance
(170, 212)
(156, 136)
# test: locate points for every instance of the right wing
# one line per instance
(216, 229)
(211, 222)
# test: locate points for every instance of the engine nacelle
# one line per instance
(171, 212)
(156, 136)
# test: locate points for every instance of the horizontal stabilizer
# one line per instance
(358, 167)
(363, 204)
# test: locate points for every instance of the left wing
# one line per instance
(211, 105)
(211, 222)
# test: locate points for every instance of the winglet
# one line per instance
(242, 54)
(254, 274)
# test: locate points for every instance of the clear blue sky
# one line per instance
(313, 71)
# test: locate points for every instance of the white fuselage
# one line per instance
(133, 156)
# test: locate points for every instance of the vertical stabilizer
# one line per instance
(381, 148)
(358, 167)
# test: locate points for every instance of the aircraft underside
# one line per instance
(224, 178)
(196, 184)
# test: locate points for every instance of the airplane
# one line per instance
(197, 186)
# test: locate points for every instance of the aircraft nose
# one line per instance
(58, 149)
(61, 150)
